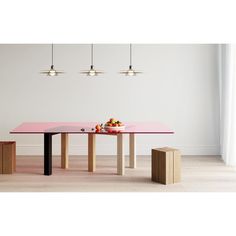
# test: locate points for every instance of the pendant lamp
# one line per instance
(130, 71)
(91, 71)
(52, 71)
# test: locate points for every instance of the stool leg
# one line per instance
(64, 151)
(132, 151)
(120, 155)
(14, 156)
(1, 158)
(91, 153)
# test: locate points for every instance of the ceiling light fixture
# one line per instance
(52, 71)
(130, 71)
(91, 71)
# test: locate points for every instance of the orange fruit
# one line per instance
(97, 127)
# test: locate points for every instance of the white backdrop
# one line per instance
(179, 87)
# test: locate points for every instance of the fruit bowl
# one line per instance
(112, 125)
(114, 128)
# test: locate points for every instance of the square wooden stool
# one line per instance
(166, 165)
(7, 157)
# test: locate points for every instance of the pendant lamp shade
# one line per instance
(52, 71)
(130, 71)
(91, 71)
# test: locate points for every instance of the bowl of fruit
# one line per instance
(114, 125)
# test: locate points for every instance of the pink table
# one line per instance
(48, 129)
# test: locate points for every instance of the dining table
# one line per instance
(49, 129)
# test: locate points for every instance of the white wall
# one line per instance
(178, 87)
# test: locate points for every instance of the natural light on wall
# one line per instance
(227, 56)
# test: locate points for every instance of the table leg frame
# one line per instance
(64, 151)
(120, 155)
(91, 152)
(47, 154)
(132, 151)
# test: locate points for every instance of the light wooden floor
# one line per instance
(199, 173)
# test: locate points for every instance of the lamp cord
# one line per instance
(130, 54)
(52, 54)
(91, 54)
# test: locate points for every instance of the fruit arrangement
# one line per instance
(111, 125)
(114, 125)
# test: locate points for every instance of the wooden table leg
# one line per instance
(132, 151)
(91, 153)
(64, 151)
(120, 155)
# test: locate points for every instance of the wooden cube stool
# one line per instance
(166, 165)
(7, 157)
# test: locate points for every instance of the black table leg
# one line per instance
(47, 154)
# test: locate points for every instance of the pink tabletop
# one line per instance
(75, 127)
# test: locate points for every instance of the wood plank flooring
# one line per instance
(199, 174)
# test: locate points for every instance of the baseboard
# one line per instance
(111, 149)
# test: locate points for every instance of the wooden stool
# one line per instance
(166, 165)
(7, 157)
